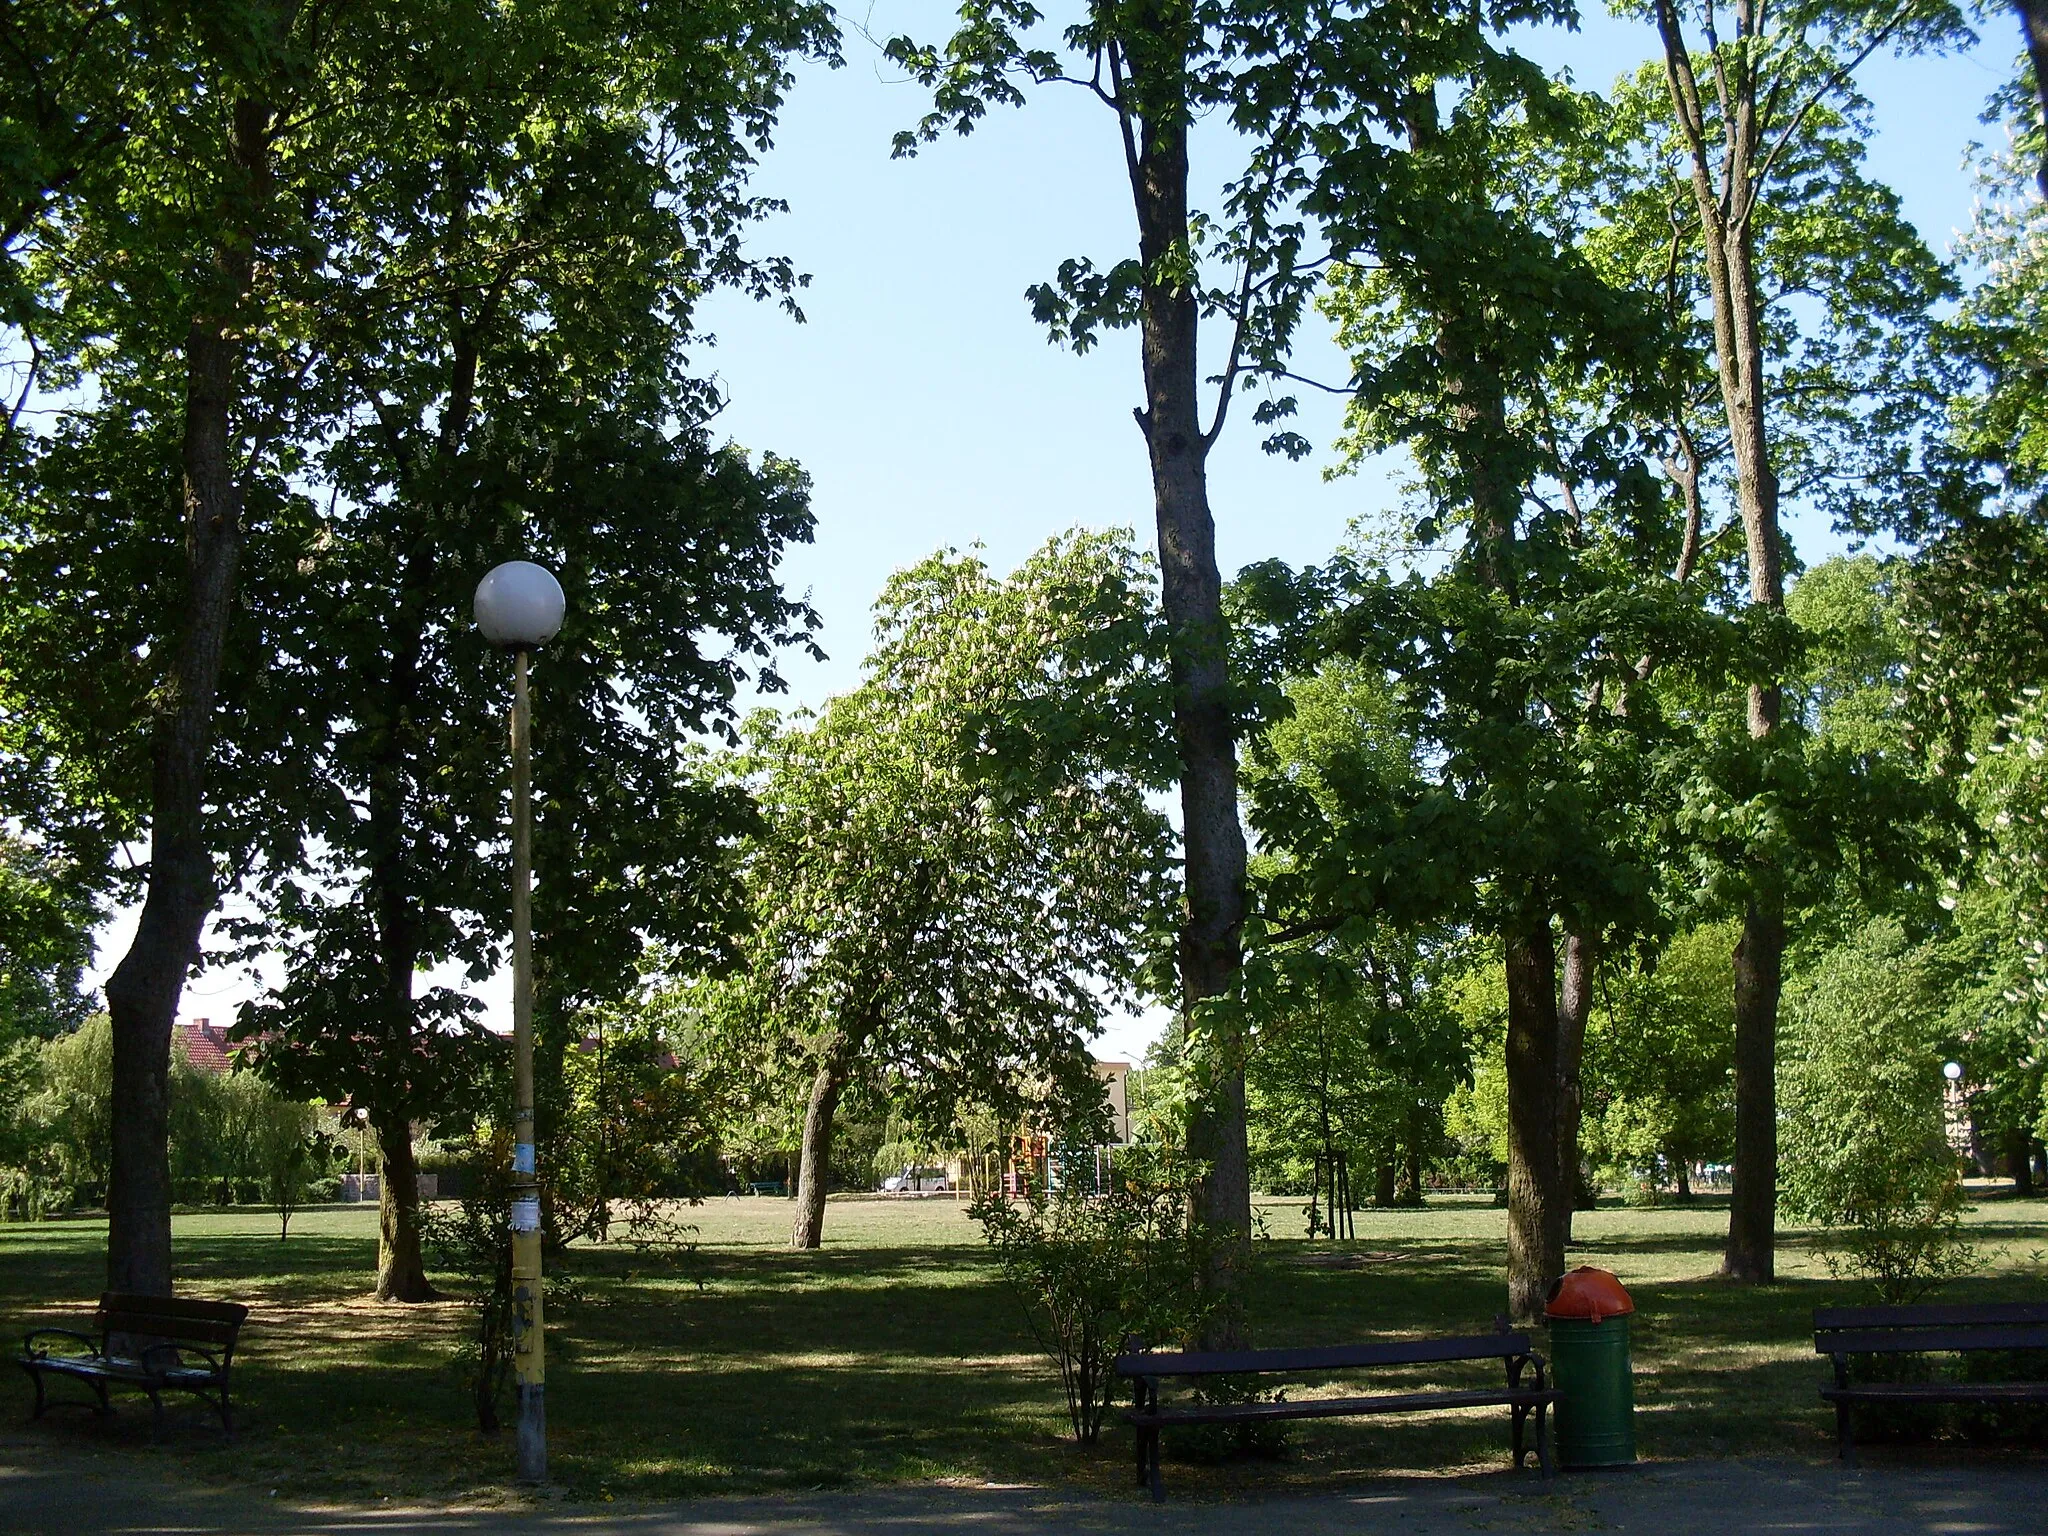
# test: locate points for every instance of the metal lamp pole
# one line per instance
(529, 1362)
(519, 606)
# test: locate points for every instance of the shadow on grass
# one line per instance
(893, 1362)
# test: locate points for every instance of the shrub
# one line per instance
(472, 1238)
(1092, 1270)
(1864, 1152)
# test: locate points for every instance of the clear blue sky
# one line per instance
(929, 409)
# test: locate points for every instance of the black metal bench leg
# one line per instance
(1158, 1486)
(1845, 1435)
(105, 1407)
(1516, 1414)
(156, 1422)
(37, 1378)
(1543, 1439)
(1138, 1438)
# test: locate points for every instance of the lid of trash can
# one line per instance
(1588, 1293)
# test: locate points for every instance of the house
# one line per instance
(205, 1045)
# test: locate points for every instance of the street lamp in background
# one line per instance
(519, 607)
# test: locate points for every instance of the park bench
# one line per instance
(768, 1187)
(152, 1344)
(1845, 1332)
(1147, 1369)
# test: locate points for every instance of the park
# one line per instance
(764, 769)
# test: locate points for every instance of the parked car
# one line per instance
(916, 1181)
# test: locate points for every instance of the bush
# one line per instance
(1863, 1146)
(472, 1238)
(1093, 1270)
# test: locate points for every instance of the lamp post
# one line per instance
(518, 607)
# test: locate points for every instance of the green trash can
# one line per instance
(1588, 1312)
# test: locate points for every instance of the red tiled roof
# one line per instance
(206, 1046)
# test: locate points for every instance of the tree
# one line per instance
(2033, 19)
(288, 1152)
(1524, 812)
(508, 337)
(1352, 1048)
(1976, 634)
(56, 1125)
(1755, 147)
(1355, 1074)
(46, 920)
(75, 77)
(1311, 95)
(1529, 392)
(253, 83)
(1976, 624)
(960, 868)
(170, 266)
(1659, 1051)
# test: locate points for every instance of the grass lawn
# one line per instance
(895, 1353)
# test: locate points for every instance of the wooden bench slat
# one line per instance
(1917, 1341)
(1340, 1407)
(156, 1326)
(1939, 1391)
(1953, 1315)
(186, 1317)
(1331, 1357)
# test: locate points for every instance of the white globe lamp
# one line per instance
(1953, 1071)
(519, 605)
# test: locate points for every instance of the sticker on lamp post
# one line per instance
(522, 1157)
(526, 1215)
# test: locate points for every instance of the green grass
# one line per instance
(896, 1354)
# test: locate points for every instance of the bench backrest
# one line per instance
(1940, 1328)
(171, 1317)
(1329, 1357)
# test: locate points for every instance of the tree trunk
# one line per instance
(1384, 1186)
(1204, 729)
(2033, 16)
(401, 1272)
(1981, 1160)
(1535, 1235)
(2019, 1162)
(816, 1169)
(1408, 1191)
(401, 1275)
(1753, 1203)
(143, 992)
(1574, 1002)
(1728, 224)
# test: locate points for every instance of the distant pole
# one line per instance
(519, 606)
(529, 1363)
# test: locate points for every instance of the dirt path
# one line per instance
(1981, 1498)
